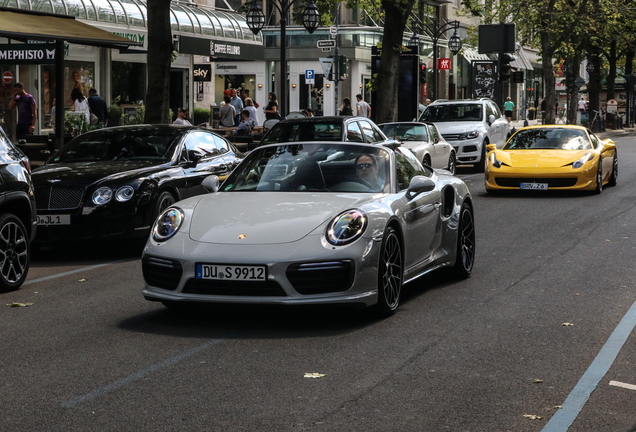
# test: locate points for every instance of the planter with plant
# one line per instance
(201, 115)
(114, 115)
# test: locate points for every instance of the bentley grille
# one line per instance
(54, 198)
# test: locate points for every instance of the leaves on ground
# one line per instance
(567, 324)
(313, 375)
(532, 417)
(19, 304)
(537, 381)
(558, 407)
(82, 280)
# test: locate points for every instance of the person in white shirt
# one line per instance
(80, 104)
(582, 105)
(249, 106)
(363, 108)
(182, 117)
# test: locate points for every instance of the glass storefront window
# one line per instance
(47, 97)
(225, 83)
(128, 82)
(311, 95)
(77, 75)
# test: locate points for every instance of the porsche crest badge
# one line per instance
(242, 236)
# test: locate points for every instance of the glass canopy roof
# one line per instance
(183, 18)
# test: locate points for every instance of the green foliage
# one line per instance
(200, 115)
(114, 112)
(137, 118)
(75, 123)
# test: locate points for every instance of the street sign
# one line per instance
(326, 44)
(578, 82)
(612, 106)
(443, 64)
(7, 77)
(333, 30)
(326, 64)
(310, 77)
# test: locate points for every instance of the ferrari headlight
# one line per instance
(102, 195)
(124, 193)
(347, 227)
(494, 161)
(579, 163)
(167, 224)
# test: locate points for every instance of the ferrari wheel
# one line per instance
(465, 258)
(390, 269)
(451, 163)
(14, 252)
(599, 177)
(614, 176)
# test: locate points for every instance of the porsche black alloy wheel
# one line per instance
(599, 177)
(390, 272)
(614, 176)
(465, 259)
(15, 252)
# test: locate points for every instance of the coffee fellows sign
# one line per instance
(27, 53)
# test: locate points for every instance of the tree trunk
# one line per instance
(594, 86)
(548, 77)
(386, 103)
(611, 76)
(159, 59)
(574, 92)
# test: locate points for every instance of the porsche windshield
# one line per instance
(320, 167)
(405, 132)
(549, 138)
(472, 112)
(134, 144)
(304, 131)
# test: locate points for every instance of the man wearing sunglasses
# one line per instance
(367, 170)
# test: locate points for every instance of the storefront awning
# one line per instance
(521, 61)
(471, 54)
(34, 26)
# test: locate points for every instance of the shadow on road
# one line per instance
(85, 254)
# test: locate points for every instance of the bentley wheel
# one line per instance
(390, 271)
(164, 201)
(599, 177)
(614, 176)
(15, 252)
(451, 163)
(465, 258)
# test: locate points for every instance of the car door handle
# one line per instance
(437, 205)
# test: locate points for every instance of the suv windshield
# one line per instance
(303, 131)
(472, 112)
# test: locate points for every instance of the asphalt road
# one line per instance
(91, 354)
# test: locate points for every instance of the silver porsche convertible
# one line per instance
(312, 223)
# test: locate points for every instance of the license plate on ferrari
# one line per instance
(231, 272)
(54, 219)
(534, 186)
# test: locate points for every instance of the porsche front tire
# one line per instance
(465, 255)
(390, 273)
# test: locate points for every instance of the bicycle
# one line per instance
(601, 125)
(560, 116)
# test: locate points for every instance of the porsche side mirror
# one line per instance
(491, 119)
(491, 147)
(211, 183)
(418, 185)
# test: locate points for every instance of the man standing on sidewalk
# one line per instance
(27, 112)
(98, 107)
(363, 109)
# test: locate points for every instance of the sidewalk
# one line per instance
(603, 135)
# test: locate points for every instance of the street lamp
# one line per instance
(256, 20)
(436, 31)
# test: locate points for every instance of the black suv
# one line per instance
(18, 220)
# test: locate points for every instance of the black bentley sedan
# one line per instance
(112, 183)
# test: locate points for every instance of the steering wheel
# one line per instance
(362, 182)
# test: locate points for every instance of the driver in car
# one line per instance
(367, 170)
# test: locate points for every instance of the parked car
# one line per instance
(17, 215)
(425, 141)
(112, 183)
(347, 129)
(469, 125)
(320, 223)
(553, 157)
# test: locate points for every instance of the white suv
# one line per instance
(469, 125)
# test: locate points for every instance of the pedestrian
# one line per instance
(80, 104)
(249, 106)
(582, 105)
(227, 113)
(308, 112)
(27, 110)
(428, 102)
(509, 105)
(245, 126)
(245, 94)
(271, 110)
(182, 117)
(345, 108)
(98, 107)
(237, 103)
(362, 108)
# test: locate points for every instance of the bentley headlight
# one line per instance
(579, 163)
(494, 161)
(167, 224)
(347, 227)
(102, 195)
(124, 193)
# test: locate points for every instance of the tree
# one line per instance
(159, 60)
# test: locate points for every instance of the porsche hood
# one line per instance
(539, 158)
(258, 218)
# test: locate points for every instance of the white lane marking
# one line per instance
(578, 397)
(623, 385)
(140, 374)
(70, 272)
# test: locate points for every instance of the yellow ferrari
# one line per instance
(552, 157)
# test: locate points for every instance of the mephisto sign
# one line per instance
(27, 53)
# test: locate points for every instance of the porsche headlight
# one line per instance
(579, 163)
(347, 227)
(124, 193)
(102, 195)
(167, 224)
(494, 161)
